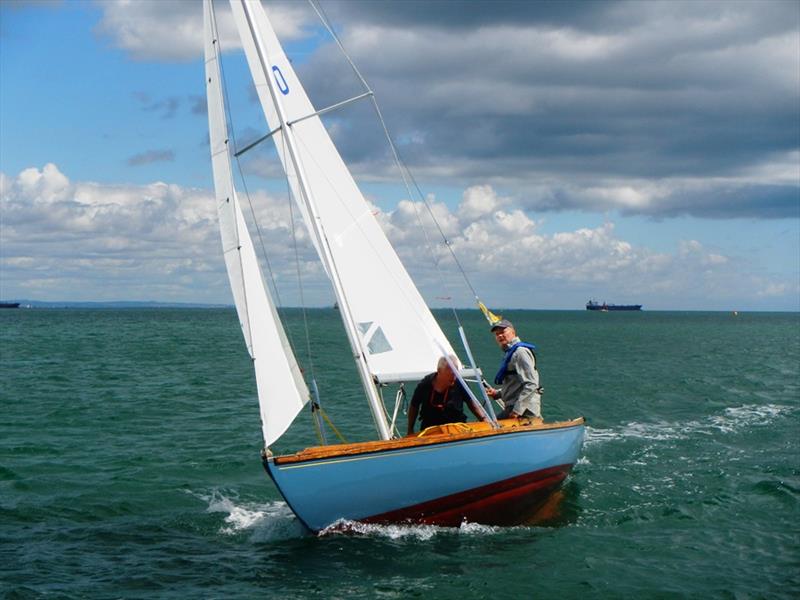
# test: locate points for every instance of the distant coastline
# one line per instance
(116, 304)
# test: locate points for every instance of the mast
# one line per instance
(325, 253)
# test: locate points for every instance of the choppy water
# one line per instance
(129, 464)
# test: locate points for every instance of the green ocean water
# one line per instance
(129, 463)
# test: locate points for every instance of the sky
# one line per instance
(630, 152)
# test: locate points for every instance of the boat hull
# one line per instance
(496, 477)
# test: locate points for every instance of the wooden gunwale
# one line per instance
(476, 430)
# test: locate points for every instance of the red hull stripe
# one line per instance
(506, 502)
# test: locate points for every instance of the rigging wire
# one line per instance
(404, 169)
(232, 136)
(405, 172)
(224, 93)
(316, 407)
(297, 266)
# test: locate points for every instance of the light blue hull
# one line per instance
(442, 482)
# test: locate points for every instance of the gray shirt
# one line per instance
(520, 388)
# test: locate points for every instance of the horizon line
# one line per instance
(28, 303)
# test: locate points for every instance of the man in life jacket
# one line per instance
(439, 399)
(518, 378)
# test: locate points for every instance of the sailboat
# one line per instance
(493, 472)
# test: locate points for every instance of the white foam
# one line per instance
(660, 430)
(733, 419)
(594, 435)
(410, 531)
(750, 415)
(265, 521)
(478, 529)
(393, 532)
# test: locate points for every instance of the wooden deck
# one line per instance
(432, 435)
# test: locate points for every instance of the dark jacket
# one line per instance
(438, 409)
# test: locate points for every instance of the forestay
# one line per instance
(282, 391)
(399, 336)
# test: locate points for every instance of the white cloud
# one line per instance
(512, 263)
(65, 240)
(479, 201)
(89, 241)
(782, 168)
(773, 289)
(657, 108)
(171, 29)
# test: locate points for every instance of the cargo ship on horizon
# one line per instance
(604, 307)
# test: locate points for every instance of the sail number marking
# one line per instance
(279, 79)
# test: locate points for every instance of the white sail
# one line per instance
(399, 335)
(282, 392)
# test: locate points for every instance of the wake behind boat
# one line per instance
(494, 472)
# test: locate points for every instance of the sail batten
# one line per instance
(282, 391)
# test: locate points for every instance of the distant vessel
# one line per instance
(9, 304)
(592, 305)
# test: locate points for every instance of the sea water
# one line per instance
(129, 463)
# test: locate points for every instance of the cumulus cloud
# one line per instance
(160, 241)
(506, 244)
(479, 201)
(514, 263)
(96, 241)
(170, 29)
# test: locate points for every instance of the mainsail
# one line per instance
(397, 334)
(282, 392)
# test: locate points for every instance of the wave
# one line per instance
(749, 415)
(272, 521)
(264, 521)
(732, 420)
